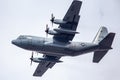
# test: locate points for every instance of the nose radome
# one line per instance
(13, 41)
(16, 42)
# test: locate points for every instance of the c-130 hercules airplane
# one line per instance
(61, 44)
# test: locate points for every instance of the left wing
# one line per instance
(71, 18)
(44, 65)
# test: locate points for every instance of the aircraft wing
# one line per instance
(43, 66)
(72, 19)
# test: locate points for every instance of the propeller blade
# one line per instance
(47, 29)
(32, 55)
(46, 26)
(52, 18)
(31, 58)
(52, 24)
(31, 62)
(46, 34)
(37, 53)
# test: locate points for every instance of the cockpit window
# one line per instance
(21, 37)
(24, 37)
(29, 37)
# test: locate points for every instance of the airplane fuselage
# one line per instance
(51, 47)
(61, 43)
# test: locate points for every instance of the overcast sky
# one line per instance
(29, 17)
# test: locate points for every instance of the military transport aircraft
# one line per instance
(61, 44)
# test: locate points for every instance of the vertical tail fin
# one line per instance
(102, 33)
(105, 41)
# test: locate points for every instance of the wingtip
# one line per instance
(77, 0)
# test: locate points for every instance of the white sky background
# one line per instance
(29, 17)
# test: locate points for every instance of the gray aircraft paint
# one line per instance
(52, 47)
(16, 18)
(61, 44)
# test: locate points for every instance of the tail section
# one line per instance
(98, 55)
(102, 33)
(107, 41)
(104, 40)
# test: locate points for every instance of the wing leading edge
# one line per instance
(72, 19)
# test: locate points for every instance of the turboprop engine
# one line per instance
(51, 32)
(38, 60)
(59, 31)
(57, 21)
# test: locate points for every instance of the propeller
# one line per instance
(47, 30)
(52, 18)
(31, 58)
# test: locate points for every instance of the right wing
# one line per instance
(43, 67)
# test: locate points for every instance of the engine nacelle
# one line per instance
(59, 31)
(66, 31)
(59, 21)
(37, 60)
(52, 32)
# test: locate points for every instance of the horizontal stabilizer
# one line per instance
(107, 41)
(104, 46)
(98, 55)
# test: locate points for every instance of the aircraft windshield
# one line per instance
(29, 37)
(24, 37)
(21, 37)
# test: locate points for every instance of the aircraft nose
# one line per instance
(15, 42)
